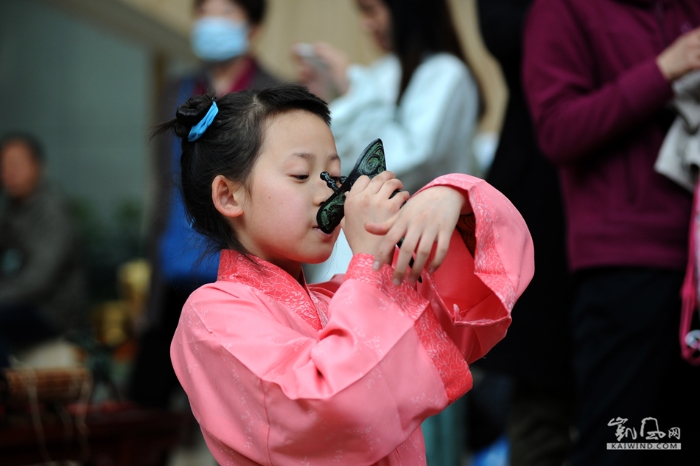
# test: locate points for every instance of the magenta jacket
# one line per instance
(599, 103)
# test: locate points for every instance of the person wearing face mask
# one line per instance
(220, 37)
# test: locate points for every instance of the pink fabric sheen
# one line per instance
(344, 372)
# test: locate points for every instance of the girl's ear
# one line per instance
(228, 196)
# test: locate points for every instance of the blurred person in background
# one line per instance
(221, 37)
(422, 100)
(536, 354)
(420, 97)
(42, 280)
(598, 78)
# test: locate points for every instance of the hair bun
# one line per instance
(190, 113)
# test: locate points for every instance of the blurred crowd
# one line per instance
(586, 154)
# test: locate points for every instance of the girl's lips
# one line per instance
(328, 235)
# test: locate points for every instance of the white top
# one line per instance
(428, 135)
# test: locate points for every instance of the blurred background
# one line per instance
(84, 77)
(89, 79)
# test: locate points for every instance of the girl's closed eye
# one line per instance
(302, 177)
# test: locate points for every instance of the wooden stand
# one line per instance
(133, 437)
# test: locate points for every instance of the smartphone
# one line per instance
(308, 54)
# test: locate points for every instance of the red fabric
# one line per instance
(597, 98)
(242, 83)
(449, 362)
(246, 76)
(689, 292)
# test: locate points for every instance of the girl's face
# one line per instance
(278, 223)
(376, 19)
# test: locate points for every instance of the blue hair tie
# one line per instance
(199, 129)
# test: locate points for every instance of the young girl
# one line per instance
(278, 372)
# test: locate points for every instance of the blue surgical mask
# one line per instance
(218, 39)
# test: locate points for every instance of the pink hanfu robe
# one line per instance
(343, 373)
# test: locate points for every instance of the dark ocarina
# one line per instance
(371, 163)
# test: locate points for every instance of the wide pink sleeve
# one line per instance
(267, 390)
(472, 293)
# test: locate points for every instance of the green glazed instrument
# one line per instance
(370, 163)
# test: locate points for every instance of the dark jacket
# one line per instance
(536, 349)
(40, 258)
(599, 104)
(183, 264)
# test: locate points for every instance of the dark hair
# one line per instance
(28, 140)
(424, 26)
(255, 9)
(229, 147)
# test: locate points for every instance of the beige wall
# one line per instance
(174, 13)
(336, 21)
(486, 68)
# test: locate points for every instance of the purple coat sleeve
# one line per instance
(573, 111)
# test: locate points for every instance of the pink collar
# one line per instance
(273, 282)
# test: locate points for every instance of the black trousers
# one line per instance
(539, 427)
(627, 365)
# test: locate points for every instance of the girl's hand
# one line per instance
(369, 202)
(428, 219)
(328, 77)
(681, 57)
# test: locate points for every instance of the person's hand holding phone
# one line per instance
(322, 68)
